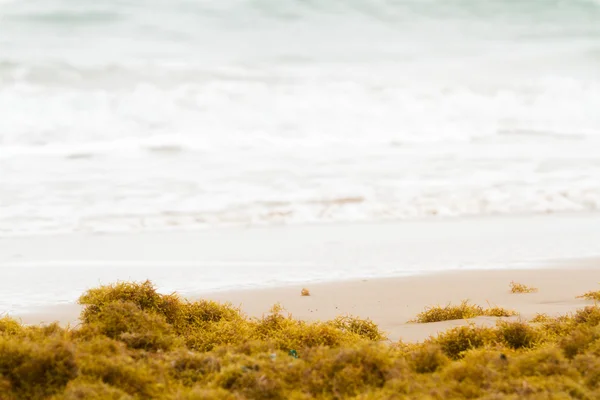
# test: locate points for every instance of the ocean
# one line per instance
(183, 114)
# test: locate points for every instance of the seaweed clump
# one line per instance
(135, 343)
(464, 310)
(592, 295)
(520, 288)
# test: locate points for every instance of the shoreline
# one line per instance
(392, 302)
(45, 270)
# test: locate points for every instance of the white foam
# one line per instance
(426, 110)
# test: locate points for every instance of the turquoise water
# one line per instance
(130, 115)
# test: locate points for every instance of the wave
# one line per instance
(289, 8)
(70, 17)
(264, 112)
(158, 145)
(446, 205)
(545, 134)
(187, 20)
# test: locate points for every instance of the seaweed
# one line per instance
(135, 343)
(465, 310)
(520, 288)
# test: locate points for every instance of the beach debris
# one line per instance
(305, 292)
(465, 310)
(590, 296)
(520, 288)
(293, 353)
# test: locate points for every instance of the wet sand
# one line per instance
(392, 302)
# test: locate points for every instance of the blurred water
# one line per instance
(129, 115)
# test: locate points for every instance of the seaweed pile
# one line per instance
(135, 343)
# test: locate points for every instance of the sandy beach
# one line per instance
(392, 302)
(387, 272)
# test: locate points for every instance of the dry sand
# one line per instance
(391, 302)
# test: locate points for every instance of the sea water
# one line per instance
(138, 115)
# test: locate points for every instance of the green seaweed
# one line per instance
(464, 310)
(135, 343)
